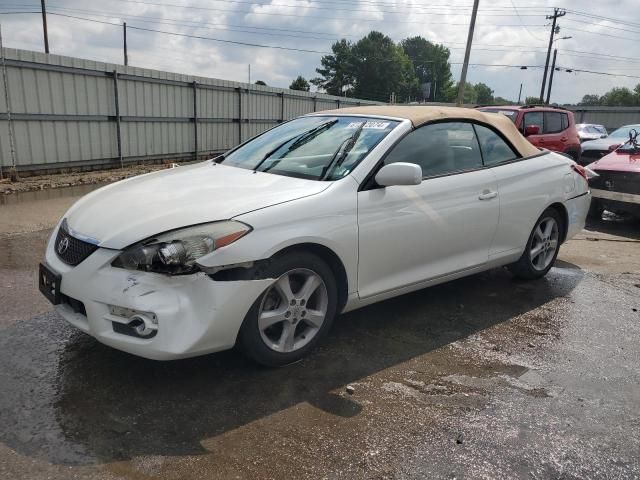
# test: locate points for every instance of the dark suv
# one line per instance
(553, 128)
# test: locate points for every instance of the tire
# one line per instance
(531, 266)
(595, 210)
(295, 330)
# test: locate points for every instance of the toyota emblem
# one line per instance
(63, 245)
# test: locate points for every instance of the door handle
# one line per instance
(487, 195)
(541, 140)
(563, 139)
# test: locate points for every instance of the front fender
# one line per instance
(328, 219)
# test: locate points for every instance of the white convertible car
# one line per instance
(264, 246)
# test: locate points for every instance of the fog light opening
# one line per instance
(142, 325)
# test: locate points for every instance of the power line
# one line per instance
(196, 25)
(298, 15)
(429, 8)
(593, 57)
(515, 9)
(600, 17)
(608, 74)
(193, 24)
(247, 44)
(571, 29)
(599, 25)
(204, 25)
(485, 65)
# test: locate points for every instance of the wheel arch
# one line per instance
(333, 261)
(564, 215)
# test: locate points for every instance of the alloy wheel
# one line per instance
(293, 310)
(545, 243)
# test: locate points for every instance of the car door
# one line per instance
(555, 137)
(524, 186)
(409, 234)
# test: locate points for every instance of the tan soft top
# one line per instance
(419, 115)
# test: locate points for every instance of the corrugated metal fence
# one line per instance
(610, 117)
(70, 112)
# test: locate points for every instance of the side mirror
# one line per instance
(400, 173)
(531, 130)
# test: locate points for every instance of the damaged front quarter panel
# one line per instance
(254, 270)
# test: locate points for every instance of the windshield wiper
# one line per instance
(301, 140)
(338, 157)
(311, 134)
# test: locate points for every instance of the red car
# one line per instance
(553, 128)
(617, 186)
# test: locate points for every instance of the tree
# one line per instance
(431, 66)
(372, 68)
(484, 94)
(619, 97)
(382, 68)
(503, 101)
(470, 96)
(260, 82)
(336, 71)
(531, 100)
(590, 100)
(300, 83)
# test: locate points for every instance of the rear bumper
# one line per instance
(577, 210)
(616, 196)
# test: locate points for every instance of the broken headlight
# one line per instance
(176, 252)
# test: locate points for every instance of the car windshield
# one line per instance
(512, 114)
(623, 132)
(315, 147)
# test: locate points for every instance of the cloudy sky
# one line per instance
(605, 36)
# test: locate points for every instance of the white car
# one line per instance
(329, 212)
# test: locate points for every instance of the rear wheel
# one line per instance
(542, 248)
(293, 314)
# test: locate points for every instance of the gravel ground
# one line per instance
(484, 377)
(71, 179)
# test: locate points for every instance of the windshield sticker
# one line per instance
(370, 125)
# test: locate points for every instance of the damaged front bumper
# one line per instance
(186, 315)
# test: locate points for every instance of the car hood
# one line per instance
(590, 136)
(618, 161)
(601, 143)
(131, 210)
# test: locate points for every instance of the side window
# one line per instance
(552, 122)
(565, 121)
(533, 118)
(439, 149)
(494, 148)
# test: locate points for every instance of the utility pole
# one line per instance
(519, 94)
(44, 27)
(467, 53)
(124, 31)
(557, 13)
(553, 68)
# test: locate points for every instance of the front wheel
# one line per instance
(289, 319)
(542, 248)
